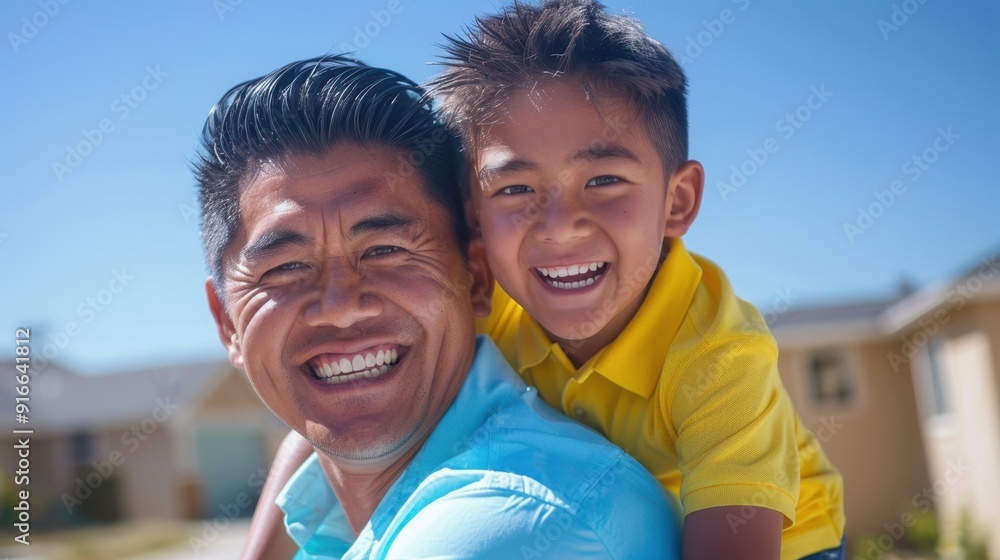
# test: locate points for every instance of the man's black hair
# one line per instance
(308, 107)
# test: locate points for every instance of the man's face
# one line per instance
(573, 207)
(349, 301)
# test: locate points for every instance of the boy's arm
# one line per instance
(737, 446)
(267, 539)
(733, 532)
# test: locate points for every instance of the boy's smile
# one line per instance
(574, 204)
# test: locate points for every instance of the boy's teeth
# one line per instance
(573, 285)
(571, 270)
(366, 365)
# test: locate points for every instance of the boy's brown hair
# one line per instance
(523, 45)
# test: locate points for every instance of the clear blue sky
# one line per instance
(129, 202)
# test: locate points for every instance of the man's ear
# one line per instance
(684, 198)
(227, 332)
(472, 218)
(482, 279)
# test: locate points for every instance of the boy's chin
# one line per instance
(568, 331)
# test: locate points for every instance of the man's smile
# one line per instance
(369, 363)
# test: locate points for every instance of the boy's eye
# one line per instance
(381, 251)
(603, 180)
(515, 189)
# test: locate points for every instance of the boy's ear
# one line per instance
(227, 332)
(684, 198)
(482, 278)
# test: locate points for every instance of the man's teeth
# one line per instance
(571, 270)
(360, 366)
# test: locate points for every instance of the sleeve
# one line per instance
(735, 429)
(491, 523)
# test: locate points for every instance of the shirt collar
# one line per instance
(635, 359)
(313, 516)
(533, 345)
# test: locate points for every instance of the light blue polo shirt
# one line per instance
(502, 476)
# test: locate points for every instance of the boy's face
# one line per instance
(573, 207)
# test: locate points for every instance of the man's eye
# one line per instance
(603, 180)
(381, 251)
(287, 267)
(516, 189)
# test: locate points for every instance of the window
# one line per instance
(937, 399)
(81, 449)
(830, 382)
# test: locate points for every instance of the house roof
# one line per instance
(63, 401)
(881, 318)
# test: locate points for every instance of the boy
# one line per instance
(575, 127)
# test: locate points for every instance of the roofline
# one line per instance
(892, 321)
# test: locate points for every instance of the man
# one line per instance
(342, 282)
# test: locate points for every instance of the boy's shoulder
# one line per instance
(717, 313)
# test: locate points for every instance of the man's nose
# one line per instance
(344, 299)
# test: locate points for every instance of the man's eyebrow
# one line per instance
(506, 166)
(606, 151)
(381, 222)
(271, 242)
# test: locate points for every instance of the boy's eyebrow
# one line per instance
(507, 165)
(606, 151)
(273, 241)
(381, 222)
(590, 153)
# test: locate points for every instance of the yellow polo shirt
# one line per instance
(691, 390)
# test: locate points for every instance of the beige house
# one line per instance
(904, 395)
(173, 442)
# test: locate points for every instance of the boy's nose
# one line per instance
(563, 220)
(343, 300)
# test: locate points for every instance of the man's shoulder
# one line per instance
(606, 513)
(527, 448)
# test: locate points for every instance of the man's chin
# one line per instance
(366, 447)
